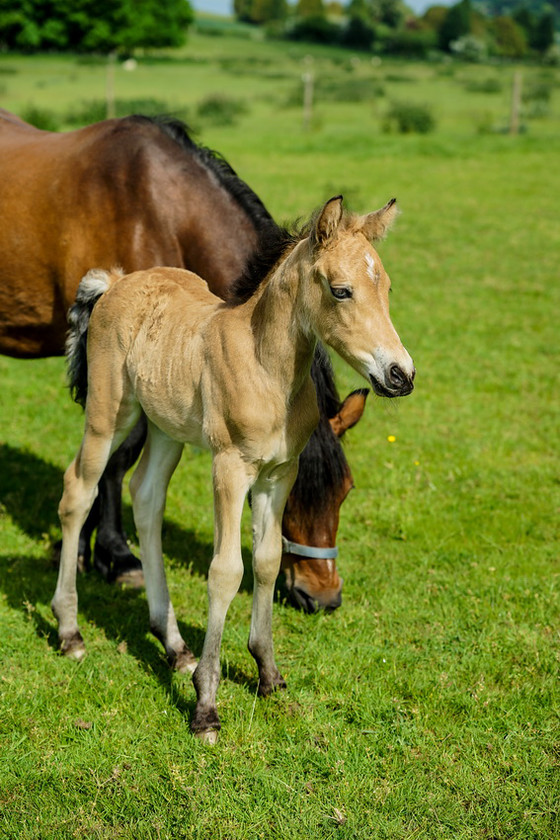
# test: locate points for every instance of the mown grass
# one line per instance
(427, 706)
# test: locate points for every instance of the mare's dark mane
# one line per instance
(322, 464)
(273, 240)
(270, 250)
(218, 165)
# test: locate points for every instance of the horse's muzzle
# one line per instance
(398, 382)
(302, 600)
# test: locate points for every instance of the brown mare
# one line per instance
(136, 192)
(160, 343)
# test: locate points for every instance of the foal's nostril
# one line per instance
(397, 376)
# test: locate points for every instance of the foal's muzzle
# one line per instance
(397, 382)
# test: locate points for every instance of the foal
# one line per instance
(235, 380)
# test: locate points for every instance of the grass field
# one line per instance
(427, 706)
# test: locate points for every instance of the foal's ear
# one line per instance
(375, 225)
(328, 221)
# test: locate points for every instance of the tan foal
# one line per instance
(236, 380)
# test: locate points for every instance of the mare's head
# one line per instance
(312, 512)
(347, 296)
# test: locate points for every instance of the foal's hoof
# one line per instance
(73, 648)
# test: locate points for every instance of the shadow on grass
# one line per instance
(29, 492)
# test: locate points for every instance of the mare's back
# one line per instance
(118, 193)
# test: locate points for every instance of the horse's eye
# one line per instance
(341, 292)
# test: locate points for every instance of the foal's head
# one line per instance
(348, 296)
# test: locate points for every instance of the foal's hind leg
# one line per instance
(80, 488)
(149, 488)
(269, 496)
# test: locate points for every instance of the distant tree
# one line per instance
(18, 30)
(335, 8)
(310, 8)
(93, 25)
(264, 11)
(316, 29)
(242, 10)
(434, 17)
(456, 23)
(525, 18)
(358, 34)
(359, 9)
(389, 12)
(509, 36)
(544, 32)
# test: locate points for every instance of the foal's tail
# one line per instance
(94, 284)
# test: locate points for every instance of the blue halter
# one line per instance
(309, 551)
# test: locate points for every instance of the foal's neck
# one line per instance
(284, 340)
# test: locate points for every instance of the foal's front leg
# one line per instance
(232, 479)
(269, 496)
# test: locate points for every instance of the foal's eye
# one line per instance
(341, 292)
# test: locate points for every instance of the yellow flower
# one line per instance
(391, 438)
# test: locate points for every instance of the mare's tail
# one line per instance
(94, 284)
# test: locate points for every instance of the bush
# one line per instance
(536, 99)
(489, 85)
(552, 56)
(221, 110)
(357, 34)
(409, 43)
(336, 89)
(409, 118)
(469, 48)
(95, 110)
(41, 118)
(315, 29)
(347, 90)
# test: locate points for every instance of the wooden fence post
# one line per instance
(307, 99)
(110, 86)
(515, 103)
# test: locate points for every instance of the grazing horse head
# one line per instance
(312, 513)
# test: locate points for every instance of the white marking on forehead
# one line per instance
(370, 266)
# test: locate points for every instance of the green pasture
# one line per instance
(428, 705)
